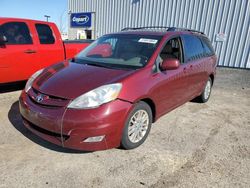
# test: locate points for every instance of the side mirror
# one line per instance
(3, 39)
(170, 64)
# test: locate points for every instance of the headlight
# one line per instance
(96, 97)
(31, 79)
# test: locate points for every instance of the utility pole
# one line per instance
(47, 17)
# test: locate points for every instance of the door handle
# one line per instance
(29, 51)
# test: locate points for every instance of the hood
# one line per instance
(70, 80)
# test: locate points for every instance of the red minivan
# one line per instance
(112, 91)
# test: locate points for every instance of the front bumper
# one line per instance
(70, 127)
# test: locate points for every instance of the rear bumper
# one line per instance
(69, 127)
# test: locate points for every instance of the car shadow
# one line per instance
(4, 88)
(196, 100)
(16, 121)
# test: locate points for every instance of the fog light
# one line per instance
(94, 139)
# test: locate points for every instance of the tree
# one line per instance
(62, 22)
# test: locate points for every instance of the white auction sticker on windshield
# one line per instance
(150, 41)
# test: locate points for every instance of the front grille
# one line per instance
(50, 96)
(49, 101)
(44, 105)
(45, 131)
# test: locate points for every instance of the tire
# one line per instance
(205, 95)
(134, 132)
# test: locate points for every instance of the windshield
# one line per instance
(119, 51)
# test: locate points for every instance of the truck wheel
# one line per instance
(206, 92)
(137, 126)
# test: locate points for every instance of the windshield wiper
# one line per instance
(99, 65)
(105, 65)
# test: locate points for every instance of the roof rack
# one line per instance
(146, 27)
(162, 27)
(184, 29)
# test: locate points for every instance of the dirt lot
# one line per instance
(196, 145)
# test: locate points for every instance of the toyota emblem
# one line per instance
(39, 98)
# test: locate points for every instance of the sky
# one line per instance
(36, 9)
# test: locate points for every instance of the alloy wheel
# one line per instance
(138, 126)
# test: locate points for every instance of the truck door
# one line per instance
(50, 46)
(18, 54)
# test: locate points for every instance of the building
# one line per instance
(64, 36)
(225, 22)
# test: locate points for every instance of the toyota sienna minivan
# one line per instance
(111, 92)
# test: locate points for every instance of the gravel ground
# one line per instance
(196, 145)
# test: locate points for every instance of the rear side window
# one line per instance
(45, 34)
(193, 47)
(16, 33)
(208, 48)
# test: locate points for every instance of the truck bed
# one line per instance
(73, 47)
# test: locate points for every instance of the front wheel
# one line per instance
(207, 91)
(137, 126)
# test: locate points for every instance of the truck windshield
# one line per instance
(119, 51)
